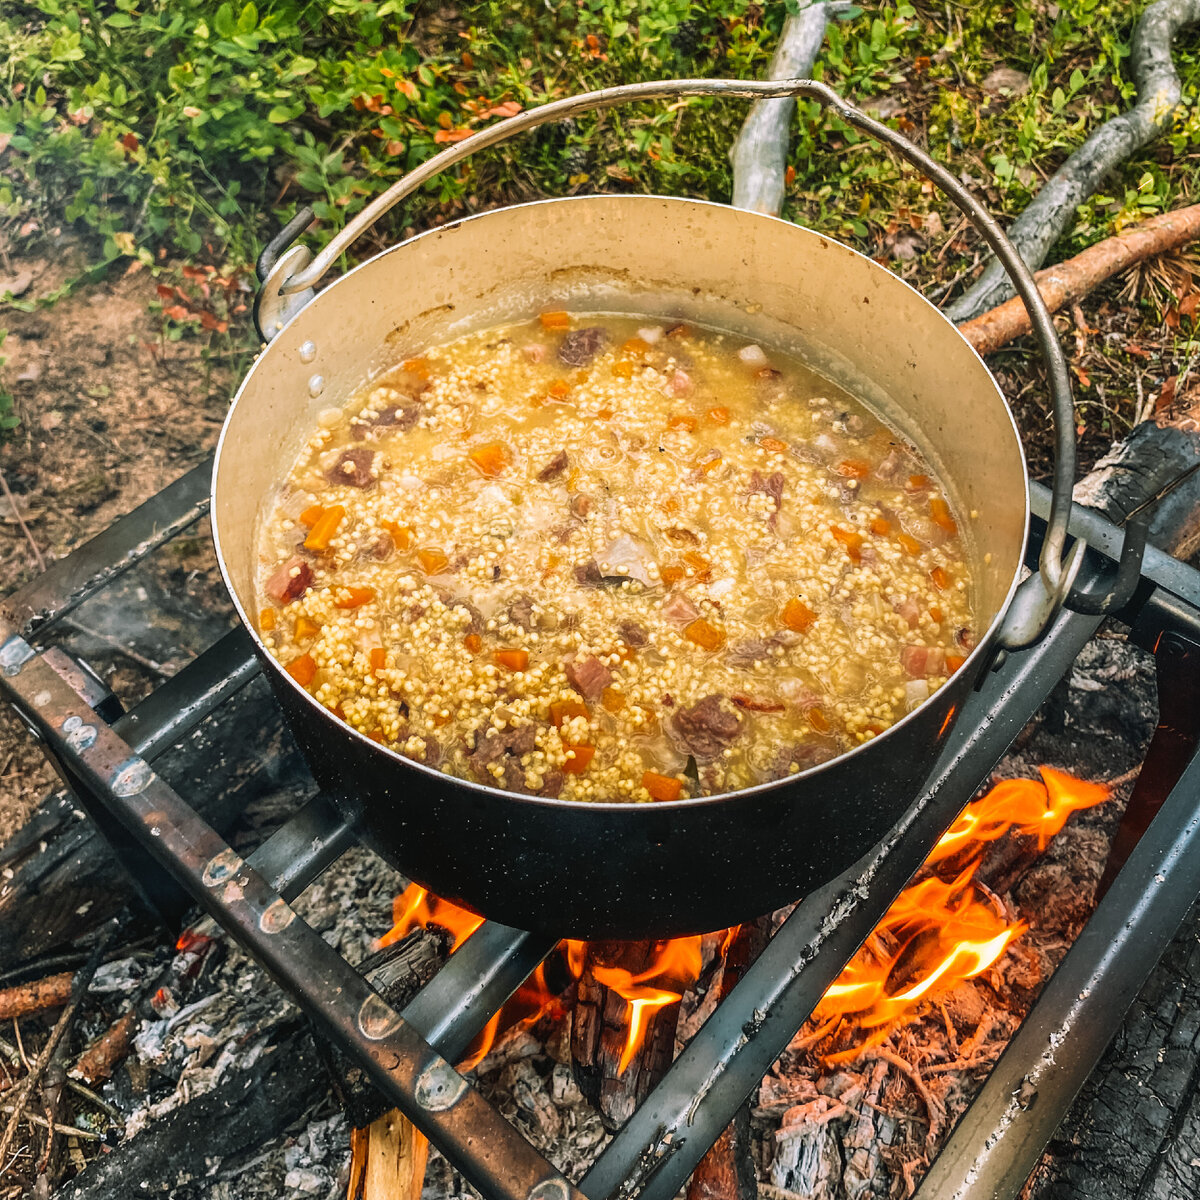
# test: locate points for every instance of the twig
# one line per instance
(1047, 218)
(33, 997)
(119, 648)
(16, 512)
(932, 1105)
(70, 1130)
(24, 1089)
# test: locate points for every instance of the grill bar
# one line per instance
(69, 582)
(668, 1135)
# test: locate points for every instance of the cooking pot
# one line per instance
(661, 869)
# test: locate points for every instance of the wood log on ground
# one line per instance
(1052, 211)
(387, 1160)
(1071, 280)
(51, 992)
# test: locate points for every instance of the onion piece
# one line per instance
(650, 334)
(753, 356)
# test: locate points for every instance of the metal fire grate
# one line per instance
(180, 859)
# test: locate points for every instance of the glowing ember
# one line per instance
(940, 932)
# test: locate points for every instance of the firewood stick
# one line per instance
(388, 1160)
(52, 992)
(1069, 281)
(108, 1051)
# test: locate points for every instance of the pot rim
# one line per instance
(974, 660)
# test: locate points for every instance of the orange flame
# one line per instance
(939, 932)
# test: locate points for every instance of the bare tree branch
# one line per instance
(1052, 210)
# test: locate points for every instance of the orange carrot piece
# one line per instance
(661, 787)
(417, 366)
(266, 620)
(561, 711)
(940, 577)
(303, 669)
(936, 614)
(324, 528)
(709, 464)
(555, 320)
(356, 597)
(672, 575)
(636, 345)
(306, 628)
(954, 661)
(378, 659)
(605, 414)
(473, 642)
(851, 539)
(432, 560)
(579, 758)
(797, 616)
(939, 510)
(773, 444)
(613, 699)
(700, 565)
(909, 544)
(512, 660)
(560, 389)
(402, 535)
(622, 369)
(312, 514)
(853, 468)
(718, 415)
(493, 459)
(706, 635)
(880, 526)
(681, 421)
(817, 718)
(917, 483)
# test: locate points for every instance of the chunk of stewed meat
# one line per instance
(290, 582)
(520, 611)
(704, 730)
(354, 468)
(588, 676)
(680, 610)
(397, 418)
(920, 661)
(633, 634)
(554, 468)
(580, 346)
(772, 486)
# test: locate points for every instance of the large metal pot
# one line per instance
(619, 870)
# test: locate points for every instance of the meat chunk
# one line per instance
(554, 468)
(520, 611)
(399, 418)
(290, 582)
(749, 651)
(920, 661)
(633, 634)
(506, 747)
(580, 346)
(772, 486)
(680, 610)
(588, 676)
(588, 574)
(353, 468)
(704, 730)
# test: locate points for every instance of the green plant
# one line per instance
(8, 417)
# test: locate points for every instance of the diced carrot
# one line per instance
(573, 480)
(378, 659)
(662, 787)
(940, 577)
(306, 628)
(908, 544)
(441, 718)
(402, 535)
(880, 525)
(917, 483)
(622, 369)
(954, 661)
(851, 539)
(266, 620)
(817, 718)
(579, 758)
(613, 699)
(473, 642)
(338, 712)
(376, 735)
(706, 635)
(636, 345)
(718, 415)
(681, 421)
(624, 651)
(311, 515)
(936, 614)
(709, 464)
(303, 669)
(939, 510)
(561, 711)
(493, 459)
(432, 560)
(797, 616)
(417, 366)
(555, 320)
(605, 414)
(700, 565)
(560, 389)
(356, 597)
(512, 660)
(324, 528)
(853, 468)
(671, 506)
(773, 444)
(672, 575)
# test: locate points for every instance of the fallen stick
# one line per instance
(1071, 280)
(109, 1050)
(51, 992)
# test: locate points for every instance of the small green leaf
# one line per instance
(223, 21)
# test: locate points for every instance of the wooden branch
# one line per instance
(108, 1051)
(759, 153)
(387, 1160)
(51, 992)
(1071, 280)
(1051, 212)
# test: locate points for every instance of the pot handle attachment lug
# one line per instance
(293, 278)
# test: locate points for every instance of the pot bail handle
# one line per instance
(289, 285)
